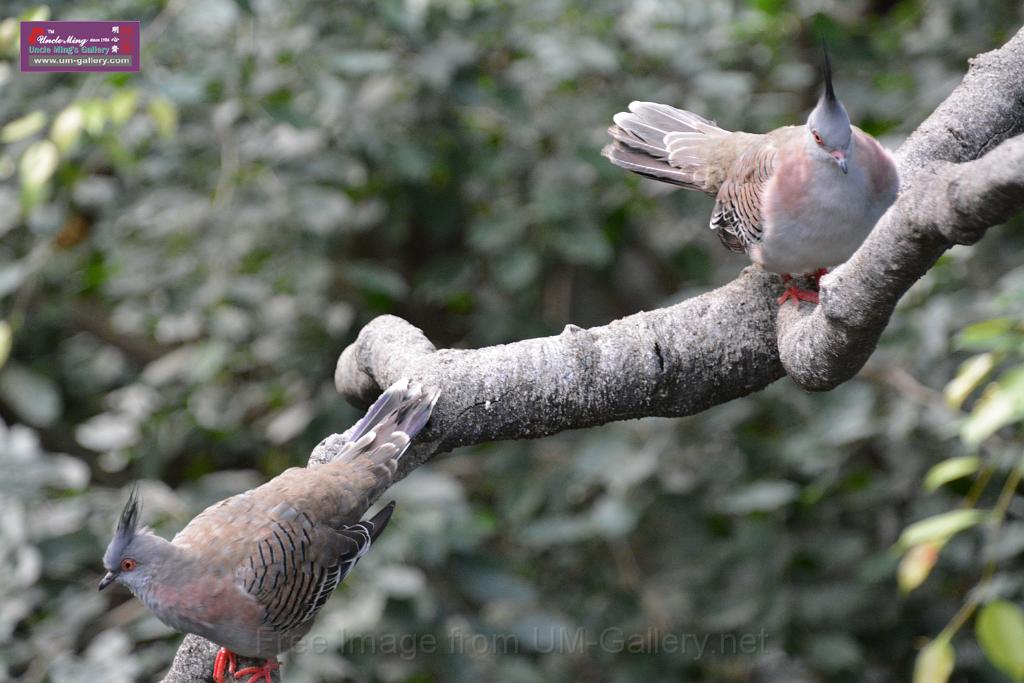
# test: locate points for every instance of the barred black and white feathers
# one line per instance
(797, 199)
(256, 568)
(292, 581)
(383, 434)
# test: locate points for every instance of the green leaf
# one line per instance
(1000, 405)
(934, 662)
(164, 115)
(122, 105)
(32, 396)
(67, 128)
(770, 7)
(1000, 632)
(6, 339)
(37, 13)
(916, 565)
(971, 373)
(23, 127)
(377, 279)
(950, 470)
(990, 335)
(8, 35)
(38, 163)
(940, 528)
(762, 496)
(95, 115)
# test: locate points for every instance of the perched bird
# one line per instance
(797, 200)
(251, 572)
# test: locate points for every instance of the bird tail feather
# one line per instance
(664, 143)
(380, 520)
(390, 424)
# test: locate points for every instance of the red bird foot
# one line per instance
(225, 659)
(259, 672)
(796, 294)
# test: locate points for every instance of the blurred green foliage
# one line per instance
(185, 251)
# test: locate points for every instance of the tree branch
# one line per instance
(961, 172)
(959, 177)
(824, 346)
(942, 203)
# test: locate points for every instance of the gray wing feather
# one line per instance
(647, 141)
(297, 566)
(737, 215)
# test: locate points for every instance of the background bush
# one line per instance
(185, 251)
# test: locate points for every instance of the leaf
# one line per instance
(990, 335)
(122, 105)
(377, 279)
(762, 496)
(362, 62)
(108, 432)
(1000, 632)
(517, 269)
(290, 422)
(67, 128)
(971, 373)
(11, 276)
(32, 396)
(916, 565)
(1000, 405)
(38, 163)
(164, 115)
(934, 662)
(8, 35)
(950, 470)
(6, 339)
(556, 530)
(37, 13)
(613, 517)
(24, 127)
(95, 113)
(940, 528)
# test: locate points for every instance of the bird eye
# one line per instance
(128, 564)
(817, 138)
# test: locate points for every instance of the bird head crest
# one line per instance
(828, 123)
(127, 529)
(830, 94)
(129, 520)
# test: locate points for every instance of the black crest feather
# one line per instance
(129, 520)
(830, 94)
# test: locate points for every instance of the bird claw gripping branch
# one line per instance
(251, 572)
(795, 199)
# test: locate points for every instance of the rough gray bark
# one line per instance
(962, 171)
(194, 662)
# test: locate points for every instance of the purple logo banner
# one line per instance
(80, 46)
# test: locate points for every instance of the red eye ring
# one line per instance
(817, 138)
(128, 564)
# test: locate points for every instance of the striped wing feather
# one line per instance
(291, 541)
(297, 565)
(737, 215)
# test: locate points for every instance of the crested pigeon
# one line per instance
(797, 200)
(251, 572)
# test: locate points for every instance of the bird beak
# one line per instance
(841, 160)
(107, 580)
